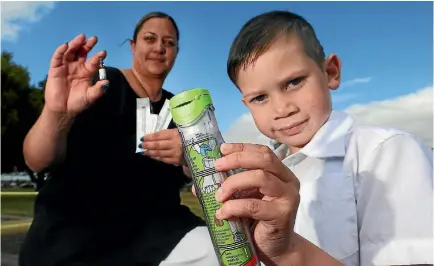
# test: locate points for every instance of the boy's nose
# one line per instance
(283, 108)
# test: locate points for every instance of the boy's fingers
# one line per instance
(252, 225)
(265, 182)
(277, 210)
(254, 160)
(243, 159)
(250, 193)
(227, 148)
(249, 208)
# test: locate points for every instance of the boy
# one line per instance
(365, 192)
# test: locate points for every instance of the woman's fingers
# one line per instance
(94, 92)
(73, 47)
(267, 183)
(79, 48)
(165, 134)
(85, 49)
(57, 59)
(93, 63)
(158, 145)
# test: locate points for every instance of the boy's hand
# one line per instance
(273, 209)
(165, 146)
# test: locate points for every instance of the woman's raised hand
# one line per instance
(69, 89)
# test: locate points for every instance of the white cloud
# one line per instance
(15, 16)
(412, 113)
(355, 81)
(339, 97)
(243, 130)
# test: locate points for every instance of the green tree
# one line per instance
(21, 106)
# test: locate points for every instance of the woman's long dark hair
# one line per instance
(149, 16)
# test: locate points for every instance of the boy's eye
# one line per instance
(294, 83)
(258, 99)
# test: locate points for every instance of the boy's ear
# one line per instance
(333, 71)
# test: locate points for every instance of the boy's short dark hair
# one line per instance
(260, 32)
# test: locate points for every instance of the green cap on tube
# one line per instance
(187, 106)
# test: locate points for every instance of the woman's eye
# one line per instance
(294, 83)
(258, 99)
(149, 38)
(170, 43)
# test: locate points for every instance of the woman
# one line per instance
(103, 204)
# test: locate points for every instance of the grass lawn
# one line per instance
(188, 199)
(22, 205)
(18, 190)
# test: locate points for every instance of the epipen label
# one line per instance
(102, 74)
(229, 236)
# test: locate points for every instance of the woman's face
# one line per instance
(156, 47)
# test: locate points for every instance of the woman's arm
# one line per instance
(45, 143)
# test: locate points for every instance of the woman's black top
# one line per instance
(105, 204)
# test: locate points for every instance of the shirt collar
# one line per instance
(329, 141)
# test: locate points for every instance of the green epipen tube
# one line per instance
(193, 113)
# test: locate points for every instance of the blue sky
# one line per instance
(385, 47)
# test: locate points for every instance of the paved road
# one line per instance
(9, 259)
(10, 245)
(9, 217)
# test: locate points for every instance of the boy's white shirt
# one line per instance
(386, 171)
(366, 194)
